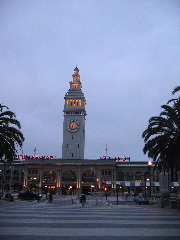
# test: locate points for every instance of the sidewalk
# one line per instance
(90, 200)
(72, 199)
(16, 202)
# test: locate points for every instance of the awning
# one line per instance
(135, 184)
(174, 184)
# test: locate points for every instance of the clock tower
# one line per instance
(74, 120)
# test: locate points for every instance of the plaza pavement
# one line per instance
(42, 220)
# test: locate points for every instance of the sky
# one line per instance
(127, 53)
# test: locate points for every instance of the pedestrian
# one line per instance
(126, 195)
(78, 198)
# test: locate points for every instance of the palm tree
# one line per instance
(162, 137)
(10, 135)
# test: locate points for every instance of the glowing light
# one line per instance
(149, 163)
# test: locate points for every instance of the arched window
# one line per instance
(147, 175)
(88, 176)
(16, 172)
(120, 176)
(138, 176)
(69, 176)
(129, 176)
(16, 178)
(156, 177)
(49, 176)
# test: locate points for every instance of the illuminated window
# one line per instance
(88, 176)
(106, 173)
(73, 103)
(75, 86)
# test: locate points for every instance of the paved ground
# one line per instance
(32, 220)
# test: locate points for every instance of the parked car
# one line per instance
(9, 197)
(28, 195)
(143, 201)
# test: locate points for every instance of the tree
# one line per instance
(162, 137)
(10, 134)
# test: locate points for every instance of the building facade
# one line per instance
(71, 176)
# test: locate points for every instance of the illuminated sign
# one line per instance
(24, 157)
(117, 159)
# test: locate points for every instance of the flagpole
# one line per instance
(106, 150)
(35, 152)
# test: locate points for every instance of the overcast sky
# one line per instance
(127, 53)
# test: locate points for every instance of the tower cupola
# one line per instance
(76, 76)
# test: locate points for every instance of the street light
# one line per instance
(10, 180)
(1, 172)
(149, 179)
(106, 191)
(3, 176)
(117, 190)
(149, 171)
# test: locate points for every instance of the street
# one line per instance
(42, 220)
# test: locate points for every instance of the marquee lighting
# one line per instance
(24, 157)
(117, 159)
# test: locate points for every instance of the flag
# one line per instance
(35, 151)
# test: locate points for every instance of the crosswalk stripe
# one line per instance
(53, 220)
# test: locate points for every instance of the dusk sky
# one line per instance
(127, 53)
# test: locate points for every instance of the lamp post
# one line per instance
(11, 178)
(97, 190)
(145, 185)
(149, 171)
(117, 190)
(106, 191)
(1, 173)
(3, 176)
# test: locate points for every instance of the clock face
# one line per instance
(73, 126)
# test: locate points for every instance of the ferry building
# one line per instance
(73, 174)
